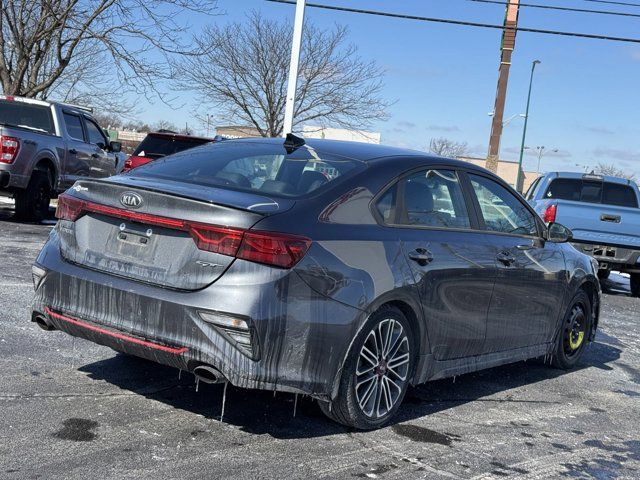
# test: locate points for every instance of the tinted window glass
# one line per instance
(592, 191)
(387, 205)
(157, 146)
(433, 198)
(259, 167)
(95, 134)
(74, 126)
(501, 210)
(23, 114)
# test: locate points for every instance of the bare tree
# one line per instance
(613, 171)
(88, 51)
(242, 70)
(448, 148)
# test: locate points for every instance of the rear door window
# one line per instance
(74, 126)
(21, 114)
(592, 191)
(428, 198)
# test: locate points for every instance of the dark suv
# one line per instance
(160, 144)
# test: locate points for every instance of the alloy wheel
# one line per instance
(382, 369)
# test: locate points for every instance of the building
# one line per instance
(237, 131)
(309, 131)
(507, 170)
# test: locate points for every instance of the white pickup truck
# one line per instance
(45, 147)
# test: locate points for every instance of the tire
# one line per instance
(635, 284)
(604, 274)
(370, 390)
(574, 332)
(33, 203)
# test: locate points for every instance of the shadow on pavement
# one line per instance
(260, 412)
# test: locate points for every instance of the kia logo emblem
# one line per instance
(131, 200)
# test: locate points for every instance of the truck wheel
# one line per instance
(33, 202)
(376, 373)
(635, 284)
(604, 274)
(574, 332)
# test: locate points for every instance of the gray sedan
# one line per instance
(338, 270)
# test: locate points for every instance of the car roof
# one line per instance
(367, 152)
(590, 176)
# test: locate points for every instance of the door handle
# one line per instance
(506, 258)
(525, 246)
(94, 155)
(421, 256)
(73, 151)
(610, 218)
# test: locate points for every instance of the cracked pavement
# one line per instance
(72, 409)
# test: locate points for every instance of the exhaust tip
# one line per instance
(43, 322)
(208, 374)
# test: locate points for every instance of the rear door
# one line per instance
(102, 163)
(78, 156)
(530, 280)
(453, 265)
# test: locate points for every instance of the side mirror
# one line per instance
(558, 233)
(115, 147)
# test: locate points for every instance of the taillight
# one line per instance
(281, 250)
(276, 249)
(9, 147)
(550, 213)
(69, 208)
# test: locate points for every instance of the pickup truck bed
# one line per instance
(603, 214)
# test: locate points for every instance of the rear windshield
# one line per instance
(592, 191)
(255, 167)
(20, 114)
(157, 146)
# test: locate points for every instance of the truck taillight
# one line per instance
(550, 213)
(270, 248)
(9, 147)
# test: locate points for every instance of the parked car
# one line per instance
(339, 270)
(160, 144)
(45, 147)
(603, 214)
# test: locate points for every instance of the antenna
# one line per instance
(292, 142)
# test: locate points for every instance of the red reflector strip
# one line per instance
(119, 336)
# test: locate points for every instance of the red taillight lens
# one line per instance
(550, 213)
(277, 249)
(69, 208)
(216, 239)
(9, 147)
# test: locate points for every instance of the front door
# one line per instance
(101, 163)
(530, 272)
(453, 265)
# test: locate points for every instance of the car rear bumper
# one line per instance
(298, 338)
(611, 257)
(10, 180)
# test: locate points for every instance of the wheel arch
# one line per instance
(412, 310)
(47, 164)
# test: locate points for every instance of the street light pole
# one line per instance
(293, 68)
(524, 130)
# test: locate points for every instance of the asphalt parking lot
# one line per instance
(72, 409)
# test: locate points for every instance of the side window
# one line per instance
(74, 126)
(502, 211)
(429, 198)
(532, 188)
(95, 134)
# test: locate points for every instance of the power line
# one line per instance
(609, 2)
(464, 23)
(564, 9)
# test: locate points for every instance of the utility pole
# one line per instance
(293, 67)
(508, 44)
